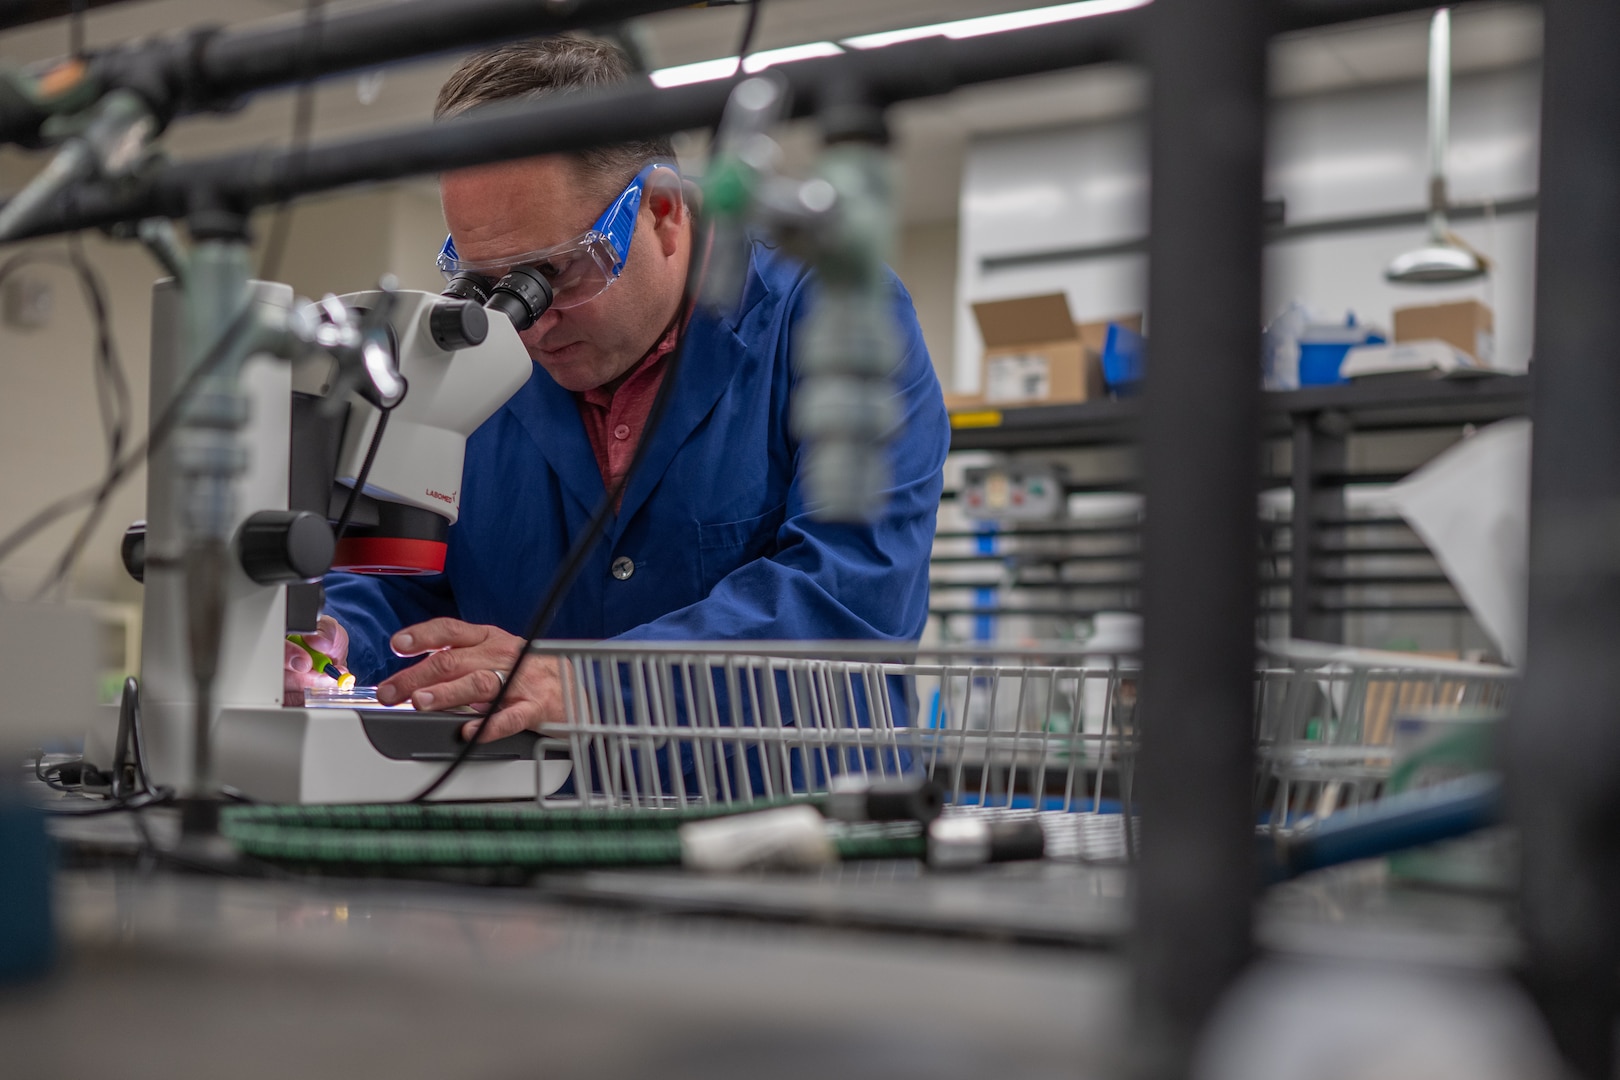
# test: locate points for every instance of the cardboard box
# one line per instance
(1469, 325)
(1034, 353)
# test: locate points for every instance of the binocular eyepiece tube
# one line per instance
(523, 295)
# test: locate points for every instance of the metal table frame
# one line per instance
(1201, 431)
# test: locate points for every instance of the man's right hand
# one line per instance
(298, 671)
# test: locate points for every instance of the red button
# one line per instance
(622, 431)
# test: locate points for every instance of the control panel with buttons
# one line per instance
(1014, 491)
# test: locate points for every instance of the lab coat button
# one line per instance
(623, 568)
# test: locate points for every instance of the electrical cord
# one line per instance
(76, 28)
(97, 494)
(112, 383)
(275, 246)
(353, 500)
(750, 25)
(116, 410)
(562, 581)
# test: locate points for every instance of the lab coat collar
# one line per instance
(711, 356)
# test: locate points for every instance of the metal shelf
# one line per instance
(1318, 423)
(1391, 403)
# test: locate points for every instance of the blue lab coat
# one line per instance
(713, 520)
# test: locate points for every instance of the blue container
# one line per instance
(27, 932)
(1124, 352)
(1319, 362)
(1322, 350)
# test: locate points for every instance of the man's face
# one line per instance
(517, 207)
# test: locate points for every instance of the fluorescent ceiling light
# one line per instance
(702, 71)
(726, 66)
(995, 24)
(761, 60)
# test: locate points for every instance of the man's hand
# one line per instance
(461, 670)
(298, 670)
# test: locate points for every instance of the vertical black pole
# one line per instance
(1201, 456)
(1563, 747)
(1318, 448)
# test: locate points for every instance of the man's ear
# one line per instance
(669, 213)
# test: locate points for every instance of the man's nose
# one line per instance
(542, 326)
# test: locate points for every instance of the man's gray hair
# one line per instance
(535, 68)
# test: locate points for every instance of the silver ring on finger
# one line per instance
(501, 675)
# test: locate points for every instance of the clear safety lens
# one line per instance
(581, 270)
(577, 273)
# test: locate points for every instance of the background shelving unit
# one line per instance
(1322, 559)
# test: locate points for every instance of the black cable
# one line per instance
(275, 246)
(76, 28)
(98, 493)
(353, 500)
(581, 549)
(142, 801)
(45, 775)
(750, 24)
(112, 394)
(112, 387)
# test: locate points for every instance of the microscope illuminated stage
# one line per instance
(313, 423)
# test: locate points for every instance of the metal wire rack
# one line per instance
(1326, 719)
(1004, 732)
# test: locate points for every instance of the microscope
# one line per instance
(385, 385)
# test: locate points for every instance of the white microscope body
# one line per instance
(264, 747)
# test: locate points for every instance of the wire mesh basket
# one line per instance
(1004, 733)
(1327, 719)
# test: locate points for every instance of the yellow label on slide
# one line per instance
(982, 418)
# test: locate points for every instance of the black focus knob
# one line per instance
(133, 550)
(283, 547)
(457, 324)
(522, 296)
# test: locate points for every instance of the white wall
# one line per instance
(1334, 155)
(50, 435)
(926, 263)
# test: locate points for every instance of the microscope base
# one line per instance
(327, 755)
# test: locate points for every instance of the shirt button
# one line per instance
(622, 431)
(623, 568)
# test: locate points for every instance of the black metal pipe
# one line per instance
(1563, 746)
(15, 13)
(1201, 470)
(1308, 14)
(211, 69)
(575, 121)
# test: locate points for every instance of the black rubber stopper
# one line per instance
(1013, 841)
(904, 800)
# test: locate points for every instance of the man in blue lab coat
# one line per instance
(712, 539)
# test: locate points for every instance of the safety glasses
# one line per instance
(581, 269)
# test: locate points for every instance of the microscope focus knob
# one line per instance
(457, 324)
(132, 550)
(284, 547)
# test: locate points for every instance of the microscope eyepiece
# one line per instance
(468, 286)
(522, 296)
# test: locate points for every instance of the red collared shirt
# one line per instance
(615, 414)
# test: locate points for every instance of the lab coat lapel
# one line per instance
(711, 357)
(551, 417)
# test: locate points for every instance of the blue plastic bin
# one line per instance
(1122, 359)
(1320, 360)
